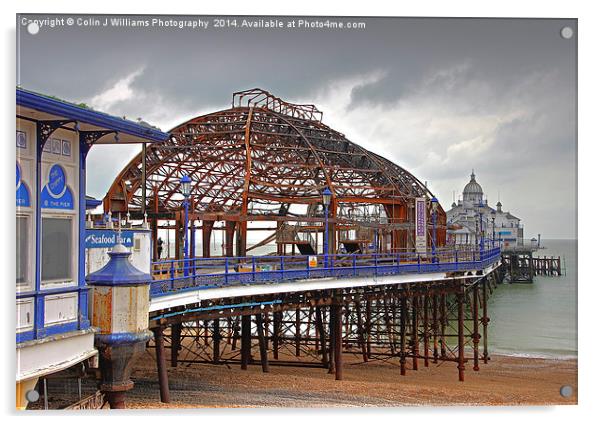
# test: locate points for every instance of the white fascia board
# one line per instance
(195, 296)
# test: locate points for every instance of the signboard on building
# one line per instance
(107, 238)
(420, 225)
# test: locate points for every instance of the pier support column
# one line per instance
(245, 343)
(263, 350)
(321, 335)
(403, 303)
(368, 328)
(443, 323)
(176, 339)
(435, 328)
(161, 365)
(216, 341)
(425, 327)
(475, 326)
(485, 320)
(460, 299)
(338, 337)
(415, 342)
(277, 322)
(361, 331)
(331, 339)
(297, 332)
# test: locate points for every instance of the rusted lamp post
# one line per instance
(120, 304)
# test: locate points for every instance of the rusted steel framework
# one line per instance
(265, 159)
(410, 325)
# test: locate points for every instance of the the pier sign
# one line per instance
(107, 238)
(420, 225)
(56, 194)
(22, 190)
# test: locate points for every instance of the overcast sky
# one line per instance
(439, 97)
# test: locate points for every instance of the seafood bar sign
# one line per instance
(107, 238)
(421, 224)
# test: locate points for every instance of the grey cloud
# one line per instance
(497, 95)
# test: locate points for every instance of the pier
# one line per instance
(520, 266)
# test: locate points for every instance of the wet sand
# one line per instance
(503, 381)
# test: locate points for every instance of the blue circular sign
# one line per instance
(56, 180)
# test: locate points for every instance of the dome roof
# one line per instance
(257, 155)
(472, 187)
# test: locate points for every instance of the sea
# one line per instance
(538, 319)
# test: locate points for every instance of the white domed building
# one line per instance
(463, 220)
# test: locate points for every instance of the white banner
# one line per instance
(421, 225)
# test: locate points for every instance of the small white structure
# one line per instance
(463, 220)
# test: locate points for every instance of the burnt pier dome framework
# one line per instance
(267, 160)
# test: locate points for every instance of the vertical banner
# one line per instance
(420, 224)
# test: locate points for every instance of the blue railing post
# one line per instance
(226, 270)
(456, 258)
(282, 267)
(418, 263)
(253, 267)
(307, 266)
(398, 262)
(354, 264)
(172, 273)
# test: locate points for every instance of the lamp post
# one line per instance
(326, 198)
(481, 207)
(185, 190)
(493, 228)
(434, 203)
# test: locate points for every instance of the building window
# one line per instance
(22, 250)
(57, 254)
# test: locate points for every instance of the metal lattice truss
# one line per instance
(258, 158)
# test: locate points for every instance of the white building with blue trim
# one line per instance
(464, 220)
(53, 138)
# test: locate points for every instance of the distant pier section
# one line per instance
(520, 266)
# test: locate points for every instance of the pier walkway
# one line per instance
(178, 282)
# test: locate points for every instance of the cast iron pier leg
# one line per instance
(262, 342)
(245, 342)
(176, 334)
(402, 332)
(461, 335)
(338, 338)
(485, 320)
(415, 332)
(475, 326)
(216, 341)
(161, 366)
(425, 320)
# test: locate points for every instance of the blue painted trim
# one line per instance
(25, 336)
(82, 300)
(115, 339)
(67, 110)
(39, 306)
(92, 203)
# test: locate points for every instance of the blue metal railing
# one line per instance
(175, 276)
